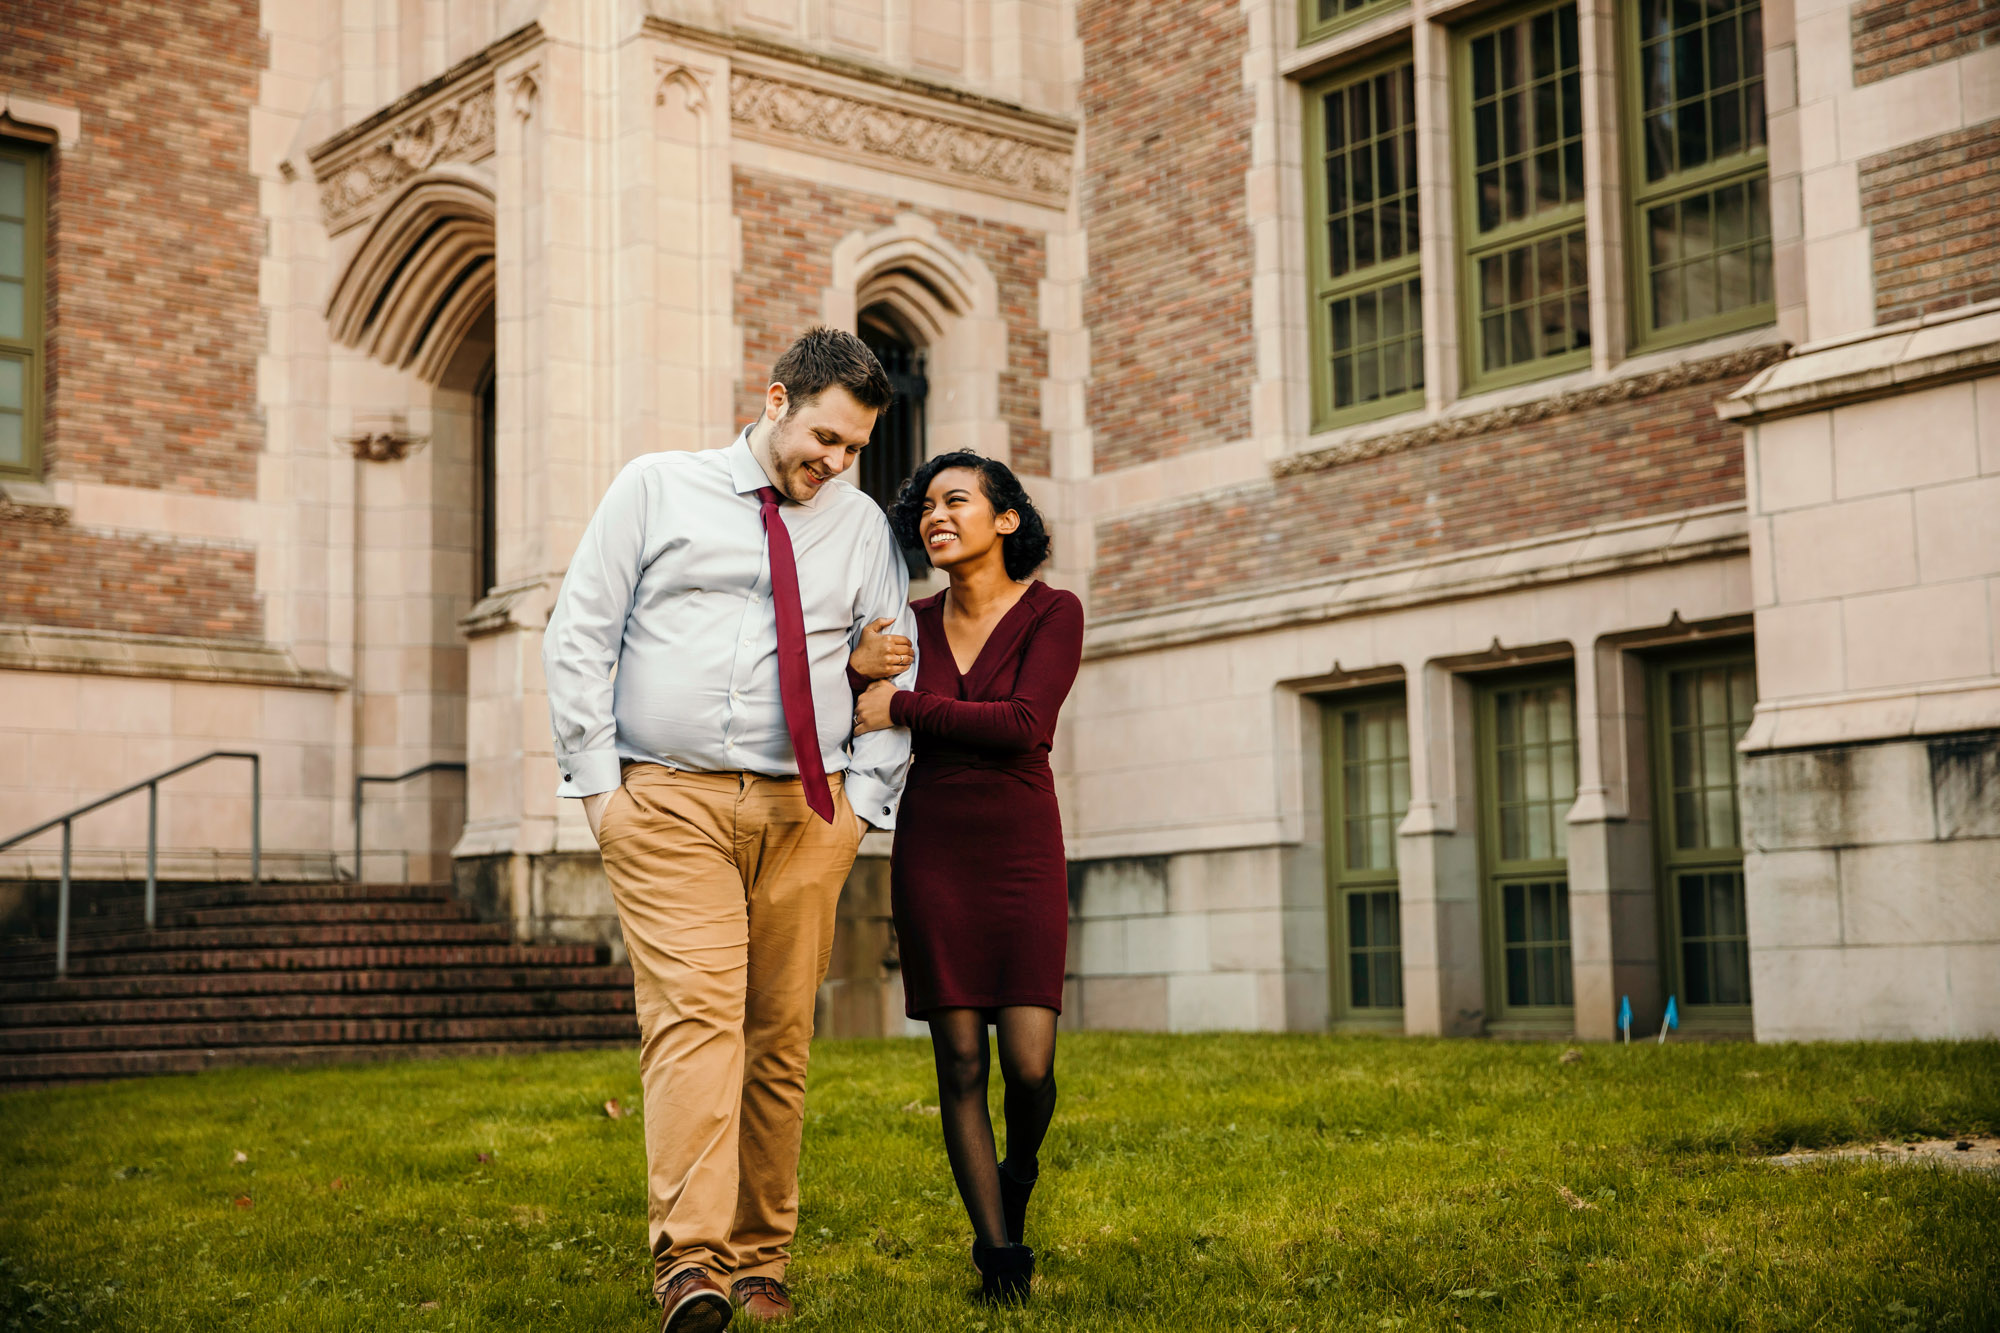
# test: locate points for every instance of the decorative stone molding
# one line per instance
(693, 87)
(32, 502)
(389, 443)
(1729, 365)
(523, 89)
(523, 605)
(893, 130)
(455, 125)
(423, 275)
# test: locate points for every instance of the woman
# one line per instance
(979, 881)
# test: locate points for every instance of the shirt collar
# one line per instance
(747, 474)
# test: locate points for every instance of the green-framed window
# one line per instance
(1367, 746)
(1700, 709)
(1527, 742)
(1361, 184)
(1323, 18)
(1521, 177)
(21, 222)
(1701, 202)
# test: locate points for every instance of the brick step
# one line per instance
(319, 1032)
(58, 1067)
(605, 999)
(311, 958)
(409, 979)
(174, 916)
(263, 937)
(177, 894)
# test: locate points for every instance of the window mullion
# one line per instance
(1604, 211)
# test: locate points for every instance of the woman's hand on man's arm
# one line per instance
(880, 656)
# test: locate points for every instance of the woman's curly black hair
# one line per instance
(1024, 549)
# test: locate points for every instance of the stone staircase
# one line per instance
(295, 974)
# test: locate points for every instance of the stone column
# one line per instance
(1444, 963)
(612, 341)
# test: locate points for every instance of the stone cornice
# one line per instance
(794, 98)
(157, 657)
(1704, 370)
(1898, 358)
(448, 119)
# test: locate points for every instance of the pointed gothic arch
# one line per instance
(423, 276)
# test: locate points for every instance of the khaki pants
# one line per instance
(726, 887)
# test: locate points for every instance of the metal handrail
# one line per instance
(152, 788)
(440, 766)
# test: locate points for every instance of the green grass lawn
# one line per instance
(1191, 1183)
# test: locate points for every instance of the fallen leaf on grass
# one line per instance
(427, 1305)
(243, 1201)
(918, 1108)
(1576, 1205)
(483, 1157)
(614, 1110)
(1572, 1056)
(337, 1183)
(242, 1158)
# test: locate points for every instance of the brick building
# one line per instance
(1534, 470)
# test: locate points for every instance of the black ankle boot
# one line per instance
(1014, 1193)
(1005, 1272)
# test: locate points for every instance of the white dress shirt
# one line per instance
(671, 585)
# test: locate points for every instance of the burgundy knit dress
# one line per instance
(978, 879)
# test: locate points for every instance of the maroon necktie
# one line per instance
(794, 671)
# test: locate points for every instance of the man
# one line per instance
(726, 588)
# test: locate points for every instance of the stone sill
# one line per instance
(157, 657)
(1608, 548)
(1897, 358)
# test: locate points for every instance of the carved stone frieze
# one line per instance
(387, 443)
(455, 128)
(979, 152)
(1730, 365)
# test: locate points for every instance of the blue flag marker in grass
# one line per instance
(1625, 1017)
(1672, 1020)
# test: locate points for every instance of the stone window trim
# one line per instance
(26, 118)
(949, 301)
(1314, 25)
(1433, 36)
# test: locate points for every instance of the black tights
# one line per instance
(1027, 1065)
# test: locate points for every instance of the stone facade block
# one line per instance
(1794, 463)
(1837, 796)
(1168, 299)
(1958, 530)
(1794, 897)
(1840, 994)
(1921, 893)
(1948, 619)
(1838, 550)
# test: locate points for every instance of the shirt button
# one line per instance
(885, 809)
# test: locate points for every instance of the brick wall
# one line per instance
(78, 579)
(789, 230)
(1166, 124)
(153, 321)
(1894, 36)
(1651, 455)
(1930, 206)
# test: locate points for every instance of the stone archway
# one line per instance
(416, 300)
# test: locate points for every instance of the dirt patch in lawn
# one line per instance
(1968, 1154)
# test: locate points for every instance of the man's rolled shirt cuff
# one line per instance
(872, 799)
(588, 773)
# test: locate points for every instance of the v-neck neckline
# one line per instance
(967, 673)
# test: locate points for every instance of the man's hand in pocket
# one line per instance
(593, 809)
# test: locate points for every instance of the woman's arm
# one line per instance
(1021, 721)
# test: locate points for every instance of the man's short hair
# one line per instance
(822, 358)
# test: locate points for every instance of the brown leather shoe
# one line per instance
(762, 1298)
(695, 1303)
